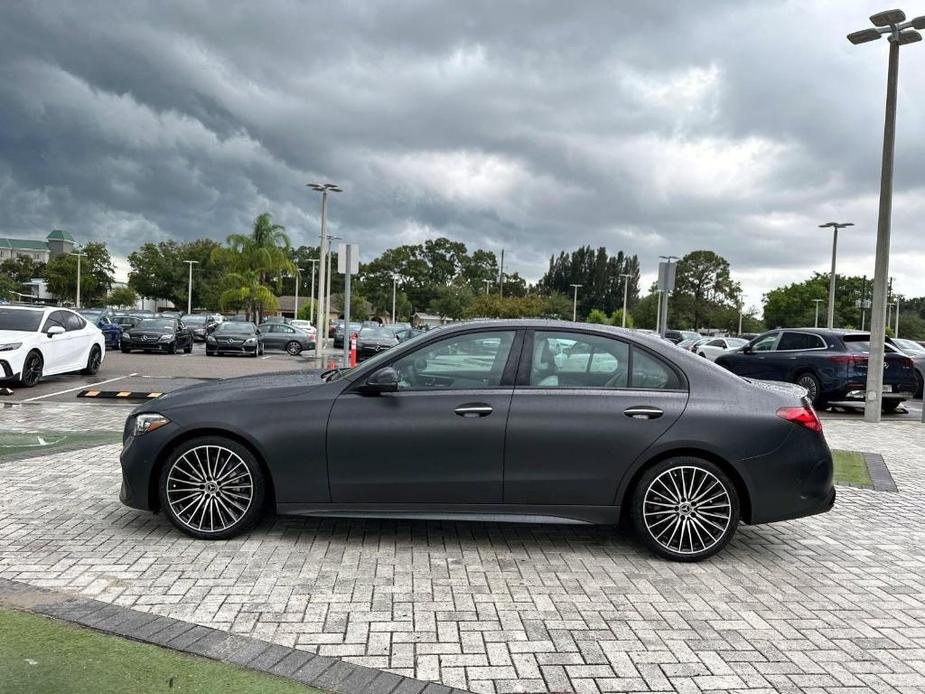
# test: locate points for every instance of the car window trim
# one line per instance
(523, 373)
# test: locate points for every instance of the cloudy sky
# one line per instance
(657, 127)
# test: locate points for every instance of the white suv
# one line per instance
(40, 341)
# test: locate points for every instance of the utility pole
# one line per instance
(900, 32)
(501, 277)
(626, 287)
(575, 302)
(835, 226)
(322, 332)
(816, 321)
(189, 293)
(79, 254)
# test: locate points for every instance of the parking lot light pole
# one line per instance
(487, 285)
(79, 255)
(298, 281)
(835, 226)
(816, 321)
(575, 302)
(626, 287)
(394, 289)
(324, 189)
(189, 292)
(311, 304)
(900, 32)
(896, 329)
(327, 301)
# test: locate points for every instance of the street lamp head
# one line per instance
(906, 36)
(836, 225)
(863, 36)
(918, 22)
(887, 18)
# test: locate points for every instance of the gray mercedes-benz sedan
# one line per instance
(542, 421)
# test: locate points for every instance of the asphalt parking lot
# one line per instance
(157, 372)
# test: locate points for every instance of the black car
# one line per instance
(830, 364)
(371, 341)
(339, 333)
(126, 320)
(530, 420)
(157, 334)
(678, 336)
(201, 325)
(286, 337)
(235, 337)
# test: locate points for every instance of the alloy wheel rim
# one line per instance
(209, 488)
(95, 359)
(33, 369)
(809, 384)
(294, 348)
(687, 510)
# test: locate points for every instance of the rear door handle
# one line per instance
(474, 409)
(643, 412)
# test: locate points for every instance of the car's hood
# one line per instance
(15, 335)
(235, 390)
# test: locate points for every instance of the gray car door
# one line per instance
(584, 408)
(440, 438)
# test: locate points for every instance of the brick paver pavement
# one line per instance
(833, 603)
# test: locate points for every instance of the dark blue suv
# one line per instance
(102, 318)
(830, 364)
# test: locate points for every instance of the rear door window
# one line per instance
(765, 343)
(72, 321)
(799, 341)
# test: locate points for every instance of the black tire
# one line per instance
(890, 407)
(919, 385)
(813, 389)
(293, 348)
(211, 467)
(189, 349)
(713, 508)
(172, 347)
(125, 350)
(31, 370)
(93, 361)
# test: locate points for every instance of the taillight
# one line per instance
(804, 416)
(848, 359)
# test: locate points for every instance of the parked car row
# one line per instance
(238, 337)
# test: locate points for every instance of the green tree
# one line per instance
(159, 271)
(122, 297)
(616, 318)
(451, 302)
(704, 292)
(595, 315)
(96, 275)
(21, 269)
(600, 274)
(8, 287)
(792, 305)
(244, 289)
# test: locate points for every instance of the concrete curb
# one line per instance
(330, 674)
(879, 473)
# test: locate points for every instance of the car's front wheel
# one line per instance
(294, 348)
(31, 370)
(212, 488)
(685, 509)
(813, 389)
(93, 361)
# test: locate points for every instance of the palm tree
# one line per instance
(245, 289)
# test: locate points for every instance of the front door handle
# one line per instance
(643, 412)
(474, 409)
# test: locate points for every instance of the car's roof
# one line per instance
(20, 307)
(821, 331)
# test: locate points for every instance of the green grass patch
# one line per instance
(15, 444)
(851, 468)
(39, 655)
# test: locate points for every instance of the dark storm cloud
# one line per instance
(654, 127)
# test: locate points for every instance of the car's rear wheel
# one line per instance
(685, 509)
(125, 350)
(294, 348)
(919, 385)
(31, 370)
(813, 388)
(93, 361)
(212, 488)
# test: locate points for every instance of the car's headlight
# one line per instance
(250, 341)
(147, 422)
(165, 338)
(10, 346)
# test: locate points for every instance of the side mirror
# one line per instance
(384, 380)
(258, 331)
(747, 349)
(55, 330)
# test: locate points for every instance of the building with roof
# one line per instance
(58, 242)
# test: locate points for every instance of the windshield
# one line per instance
(376, 332)
(156, 324)
(90, 314)
(861, 344)
(236, 328)
(908, 345)
(194, 320)
(735, 342)
(19, 320)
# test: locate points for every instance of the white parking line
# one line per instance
(267, 356)
(85, 386)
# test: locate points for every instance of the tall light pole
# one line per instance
(324, 189)
(189, 292)
(901, 32)
(816, 321)
(896, 329)
(663, 304)
(835, 226)
(327, 291)
(487, 285)
(79, 254)
(575, 302)
(298, 281)
(311, 303)
(394, 291)
(626, 287)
